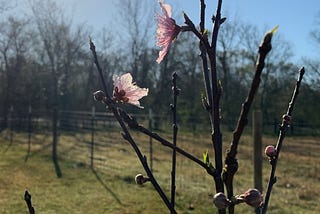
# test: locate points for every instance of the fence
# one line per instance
(91, 132)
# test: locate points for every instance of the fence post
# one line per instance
(150, 139)
(92, 135)
(55, 141)
(10, 125)
(29, 132)
(257, 145)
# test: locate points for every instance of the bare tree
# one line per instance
(14, 43)
(278, 68)
(228, 56)
(313, 65)
(59, 47)
(136, 19)
(6, 5)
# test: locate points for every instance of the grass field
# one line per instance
(110, 187)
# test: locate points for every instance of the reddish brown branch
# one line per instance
(231, 163)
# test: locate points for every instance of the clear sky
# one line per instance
(296, 18)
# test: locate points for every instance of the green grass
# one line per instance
(110, 188)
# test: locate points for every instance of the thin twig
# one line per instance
(175, 132)
(27, 198)
(126, 134)
(202, 15)
(96, 62)
(203, 55)
(283, 129)
(231, 163)
(132, 123)
(204, 47)
(191, 27)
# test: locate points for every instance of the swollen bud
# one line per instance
(270, 151)
(221, 201)
(140, 179)
(99, 95)
(252, 197)
(286, 118)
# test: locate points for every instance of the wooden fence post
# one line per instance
(92, 135)
(29, 133)
(257, 156)
(10, 125)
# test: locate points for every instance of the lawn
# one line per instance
(109, 187)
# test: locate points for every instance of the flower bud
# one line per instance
(253, 197)
(221, 201)
(270, 151)
(140, 179)
(286, 118)
(99, 95)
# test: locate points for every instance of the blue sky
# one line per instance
(296, 18)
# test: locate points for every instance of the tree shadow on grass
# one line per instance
(106, 187)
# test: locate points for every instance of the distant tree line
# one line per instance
(45, 63)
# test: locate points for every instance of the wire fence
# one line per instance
(87, 136)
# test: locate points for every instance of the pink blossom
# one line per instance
(126, 91)
(167, 30)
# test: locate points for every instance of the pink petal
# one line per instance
(132, 91)
(166, 8)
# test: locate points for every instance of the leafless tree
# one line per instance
(277, 68)
(14, 43)
(6, 5)
(60, 46)
(313, 65)
(136, 19)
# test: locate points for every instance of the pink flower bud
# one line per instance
(140, 179)
(270, 151)
(99, 95)
(221, 201)
(252, 197)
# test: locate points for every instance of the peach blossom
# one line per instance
(167, 30)
(126, 91)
